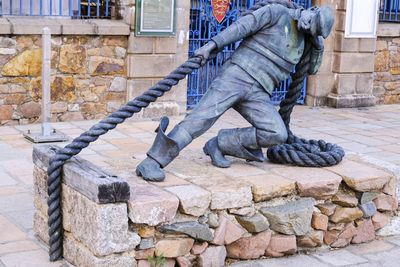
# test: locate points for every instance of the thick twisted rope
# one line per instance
(79, 143)
(298, 151)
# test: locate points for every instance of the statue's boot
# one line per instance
(164, 150)
(240, 143)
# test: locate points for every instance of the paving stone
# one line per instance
(227, 232)
(361, 177)
(268, 186)
(28, 258)
(386, 258)
(103, 228)
(312, 182)
(345, 215)
(380, 220)
(172, 248)
(254, 224)
(6, 179)
(371, 247)
(144, 254)
(226, 193)
(291, 218)
(193, 200)
(214, 256)
(196, 230)
(311, 240)
(319, 221)
(79, 255)
(368, 209)
(281, 245)
(365, 232)
(9, 232)
(327, 208)
(386, 203)
(298, 261)
(17, 246)
(151, 205)
(339, 258)
(249, 247)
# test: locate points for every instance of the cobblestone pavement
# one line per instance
(371, 131)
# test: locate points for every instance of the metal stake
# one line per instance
(47, 134)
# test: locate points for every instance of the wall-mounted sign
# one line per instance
(220, 8)
(155, 17)
(361, 18)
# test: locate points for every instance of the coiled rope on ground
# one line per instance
(296, 151)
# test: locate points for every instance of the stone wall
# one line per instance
(387, 64)
(88, 77)
(204, 220)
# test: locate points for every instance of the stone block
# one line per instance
(364, 84)
(99, 65)
(172, 248)
(268, 186)
(199, 248)
(166, 45)
(351, 101)
(388, 30)
(214, 256)
(226, 193)
(381, 45)
(76, 27)
(361, 177)
(140, 45)
(319, 221)
(193, 200)
(340, 20)
(281, 245)
(157, 110)
(353, 62)
(151, 205)
(345, 215)
(72, 58)
(198, 231)
(144, 254)
(343, 44)
(382, 59)
(311, 240)
(367, 45)
(79, 255)
(150, 66)
(386, 203)
(138, 87)
(368, 209)
(5, 27)
(227, 232)
(248, 248)
(290, 218)
(311, 182)
(102, 228)
(40, 227)
(254, 224)
(320, 85)
(110, 27)
(380, 220)
(365, 232)
(345, 84)
(345, 236)
(327, 208)
(28, 25)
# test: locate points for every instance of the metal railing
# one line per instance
(59, 8)
(389, 11)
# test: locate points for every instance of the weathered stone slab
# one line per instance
(85, 177)
(193, 200)
(78, 27)
(327, 208)
(151, 205)
(365, 232)
(345, 198)
(281, 245)
(312, 182)
(5, 27)
(226, 193)
(214, 256)
(386, 203)
(291, 218)
(254, 224)
(311, 240)
(249, 247)
(103, 228)
(196, 230)
(172, 248)
(79, 255)
(361, 177)
(268, 186)
(29, 25)
(345, 215)
(110, 27)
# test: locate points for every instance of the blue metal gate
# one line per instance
(203, 26)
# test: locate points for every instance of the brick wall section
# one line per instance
(88, 77)
(152, 58)
(387, 64)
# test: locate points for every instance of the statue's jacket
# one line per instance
(271, 45)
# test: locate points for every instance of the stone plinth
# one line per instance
(202, 216)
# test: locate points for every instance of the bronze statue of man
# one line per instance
(274, 37)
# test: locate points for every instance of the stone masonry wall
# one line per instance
(387, 64)
(88, 77)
